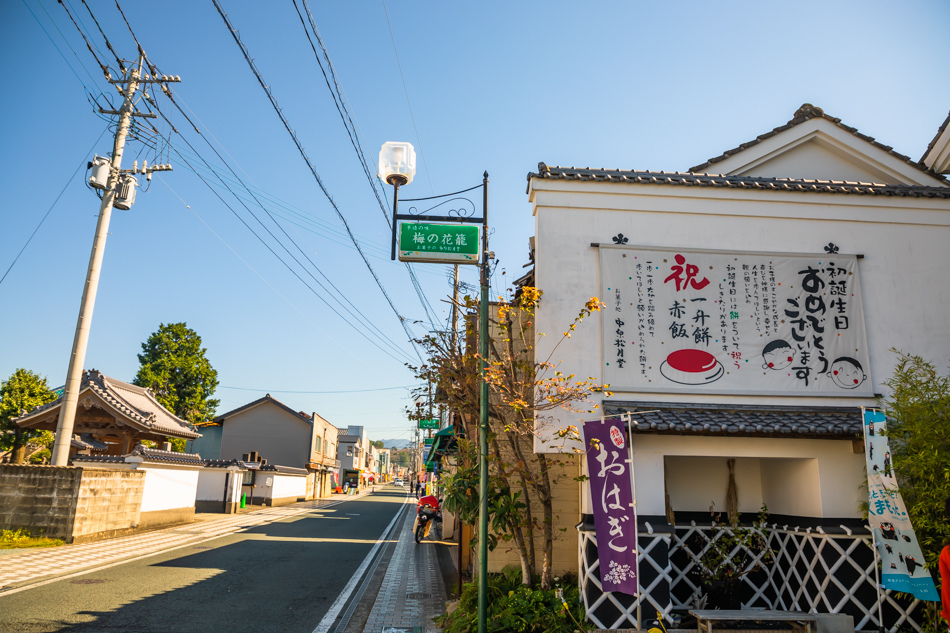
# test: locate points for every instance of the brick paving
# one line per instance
(412, 592)
(22, 567)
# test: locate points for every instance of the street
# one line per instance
(281, 576)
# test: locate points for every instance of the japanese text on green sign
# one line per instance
(428, 242)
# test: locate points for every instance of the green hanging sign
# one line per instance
(439, 243)
(432, 423)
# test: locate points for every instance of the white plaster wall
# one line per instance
(832, 485)
(168, 488)
(211, 484)
(283, 486)
(697, 483)
(904, 241)
(790, 485)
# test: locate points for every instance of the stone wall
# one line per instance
(109, 503)
(70, 503)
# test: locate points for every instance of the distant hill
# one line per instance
(396, 443)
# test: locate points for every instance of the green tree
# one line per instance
(918, 426)
(20, 393)
(378, 444)
(174, 366)
(524, 391)
(918, 412)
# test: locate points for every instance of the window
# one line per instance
(319, 444)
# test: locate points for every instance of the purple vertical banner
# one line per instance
(615, 518)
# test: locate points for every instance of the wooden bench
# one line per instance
(801, 622)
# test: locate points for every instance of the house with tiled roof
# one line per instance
(278, 433)
(112, 417)
(751, 306)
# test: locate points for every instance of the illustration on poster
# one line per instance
(777, 355)
(847, 373)
(733, 322)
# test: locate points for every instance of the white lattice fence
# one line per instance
(817, 572)
(813, 571)
(617, 610)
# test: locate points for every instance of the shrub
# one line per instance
(513, 606)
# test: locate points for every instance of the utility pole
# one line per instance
(455, 309)
(117, 178)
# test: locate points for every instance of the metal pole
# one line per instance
(67, 410)
(483, 426)
(395, 182)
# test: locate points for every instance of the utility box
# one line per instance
(125, 195)
(99, 177)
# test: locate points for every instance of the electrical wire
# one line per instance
(274, 253)
(105, 69)
(85, 159)
(406, 90)
(318, 392)
(313, 170)
(355, 312)
(339, 102)
(118, 59)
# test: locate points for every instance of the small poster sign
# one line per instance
(902, 562)
(615, 517)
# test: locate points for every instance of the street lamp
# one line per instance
(397, 166)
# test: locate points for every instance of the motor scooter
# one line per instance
(426, 516)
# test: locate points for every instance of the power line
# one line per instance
(33, 234)
(340, 103)
(313, 170)
(406, 90)
(358, 313)
(274, 253)
(318, 392)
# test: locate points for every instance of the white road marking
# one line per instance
(337, 605)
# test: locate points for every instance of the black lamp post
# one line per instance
(397, 166)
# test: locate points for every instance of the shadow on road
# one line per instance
(279, 577)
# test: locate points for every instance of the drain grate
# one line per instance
(418, 596)
(87, 581)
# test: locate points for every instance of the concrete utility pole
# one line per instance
(67, 412)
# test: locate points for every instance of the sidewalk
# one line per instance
(413, 591)
(24, 567)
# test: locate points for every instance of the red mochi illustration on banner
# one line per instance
(692, 367)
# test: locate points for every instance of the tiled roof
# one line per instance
(268, 399)
(170, 457)
(224, 463)
(136, 404)
(736, 182)
(740, 420)
(805, 113)
(149, 455)
(101, 459)
(287, 470)
(88, 443)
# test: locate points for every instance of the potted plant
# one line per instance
(730, 553)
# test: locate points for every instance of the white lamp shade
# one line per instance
(397, 162)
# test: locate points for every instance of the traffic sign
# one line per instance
(439, 243)
(432, 423)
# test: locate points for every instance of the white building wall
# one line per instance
(211, 483)
(904, 241)
(168, 487)
(288, 486)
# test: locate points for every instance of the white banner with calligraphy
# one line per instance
(724, 322)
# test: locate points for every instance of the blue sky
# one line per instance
(493, 86)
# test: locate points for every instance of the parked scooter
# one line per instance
(428, 512)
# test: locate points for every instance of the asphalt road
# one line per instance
(281, 577)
